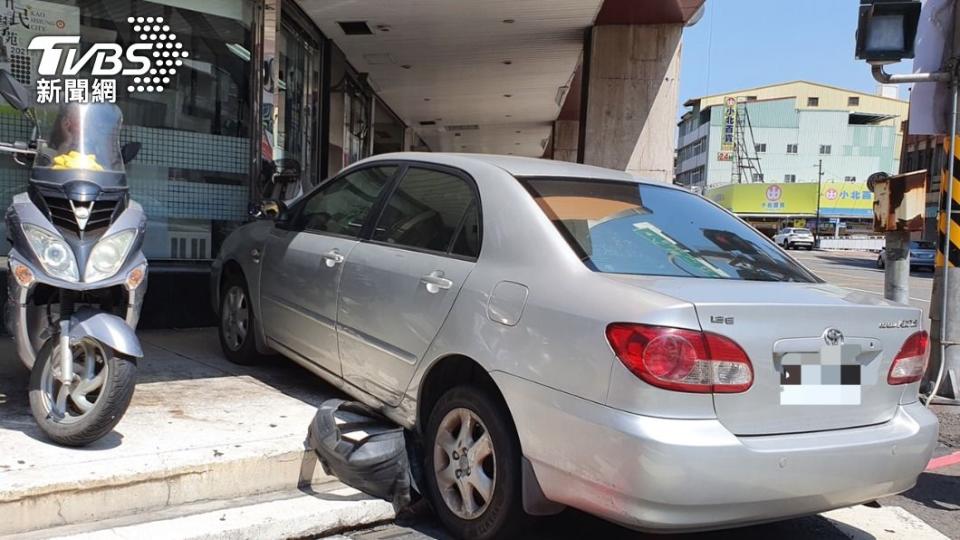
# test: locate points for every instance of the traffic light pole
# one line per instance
(945, 360)
(945, 303)
(896, 270)
(944, 368)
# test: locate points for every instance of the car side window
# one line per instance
(341, 207)
(467, 243)
(425, 211)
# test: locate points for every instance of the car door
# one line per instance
(303, 263)
(398, 287)
(779, 238)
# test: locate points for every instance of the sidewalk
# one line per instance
(199, 429)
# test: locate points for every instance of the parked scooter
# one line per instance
(77, 276)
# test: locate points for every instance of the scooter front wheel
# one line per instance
(85, 410)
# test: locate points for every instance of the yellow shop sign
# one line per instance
(837, 199)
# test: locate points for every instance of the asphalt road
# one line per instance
(858, 271)
(933, 505)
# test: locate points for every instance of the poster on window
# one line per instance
(20, 21)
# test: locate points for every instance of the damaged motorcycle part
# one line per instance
(365, 451)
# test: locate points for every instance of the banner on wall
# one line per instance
(20, 22)
(728, 136)
(837, 199)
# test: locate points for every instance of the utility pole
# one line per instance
(816, 227)
(896, 279)
(945, 322)
(879, 46)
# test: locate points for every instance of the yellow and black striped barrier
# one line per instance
(953, 216)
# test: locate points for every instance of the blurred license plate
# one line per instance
(830, 377)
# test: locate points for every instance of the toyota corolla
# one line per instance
(562, 335)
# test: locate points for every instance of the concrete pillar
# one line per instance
(896, 282)
(566, 139)
(632, 98)
(409, 140)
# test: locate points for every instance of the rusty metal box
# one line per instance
(899, 202)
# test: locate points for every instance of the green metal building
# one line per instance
(786, 131)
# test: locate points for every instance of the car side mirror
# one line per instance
(129, 151)
(268, 209)
(15, 93)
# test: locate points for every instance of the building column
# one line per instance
(566, 140)
(409, 140)
(632, 97)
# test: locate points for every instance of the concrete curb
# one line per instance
(278, 516)
(257, 468)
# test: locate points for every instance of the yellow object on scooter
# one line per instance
(76, 160)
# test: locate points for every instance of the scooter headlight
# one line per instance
(54, 254)
(108, 255)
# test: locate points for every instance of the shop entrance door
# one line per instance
(296, 134)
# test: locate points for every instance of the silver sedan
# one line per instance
(562, 335)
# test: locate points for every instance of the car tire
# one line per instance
(809, 248)
(502, 516)
(236, 322)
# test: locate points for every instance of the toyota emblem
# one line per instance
(833, 336)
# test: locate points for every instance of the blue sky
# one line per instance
(745, 43)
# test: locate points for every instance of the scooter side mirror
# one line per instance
(129, 151)
(15, 93)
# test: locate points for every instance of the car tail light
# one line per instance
(910, 363)
(682, 360)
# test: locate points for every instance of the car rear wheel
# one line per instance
(237, 323)
(473, 466)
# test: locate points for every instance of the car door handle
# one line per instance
(333, 258)
(435, 281)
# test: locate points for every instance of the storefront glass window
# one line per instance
(296, 131)
(338, 72)
(350, 116)
(387, 130)
(192, 173)
(356, 120)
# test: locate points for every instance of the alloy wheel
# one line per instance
(68, 403)
(235, 318)
(464, 463)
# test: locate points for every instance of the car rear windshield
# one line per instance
(923, 245)
(802, 231)
(628, 228)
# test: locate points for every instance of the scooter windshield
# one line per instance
(80, 141)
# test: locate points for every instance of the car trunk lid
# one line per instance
(793, 331)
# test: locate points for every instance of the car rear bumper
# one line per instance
(676, 475)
